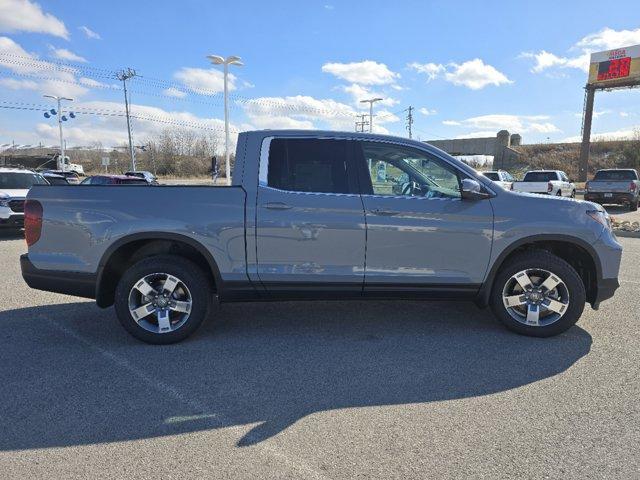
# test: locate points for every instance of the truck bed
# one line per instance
(82, 222)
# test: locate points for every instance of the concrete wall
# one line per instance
(466, 146)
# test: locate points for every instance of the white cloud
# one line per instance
(305, 112)
(473, 74)
(605, 39)
(49, 77)
(329, 7)
(627, 133)
(112, 130)
(27, 16)
(425, 111)
(431, 70)
(360, 92)
(514, 123)
(89, 33)
(204, 81)
(367, 72)
(15, 84)
(64, 54)
(174, 92)
(90, 82)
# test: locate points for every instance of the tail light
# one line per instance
(32, 221)
(632, 187)
(549, 187)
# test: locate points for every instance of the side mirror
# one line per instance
(472, 190)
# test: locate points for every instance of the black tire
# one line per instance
(189, 273)
(539, 259)
(559, 194)
(573, 194)
(633, 206)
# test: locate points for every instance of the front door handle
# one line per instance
(277, 206)
(386, 213)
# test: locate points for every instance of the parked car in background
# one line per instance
(501, 177)
(317, 215)
(148, 176)
(55, 179)
(72, 177)
(616, 186)
(113, 180)
(547, 182)
(14, 186)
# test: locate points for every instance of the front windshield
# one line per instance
(20, 181)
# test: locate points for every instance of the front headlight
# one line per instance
(4, 202)
(601, 217)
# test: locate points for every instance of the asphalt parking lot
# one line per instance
(317, 390)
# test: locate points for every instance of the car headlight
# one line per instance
(4, 202)
(601, 217)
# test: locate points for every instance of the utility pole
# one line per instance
(371, 101)
(123, 76)
(409, 119)
(60, 119)
(362, 123)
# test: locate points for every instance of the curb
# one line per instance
(626, 234)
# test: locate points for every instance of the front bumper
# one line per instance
(619, 198)
(79, 284)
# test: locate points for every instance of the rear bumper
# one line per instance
(70, 283)
(13, 221)
(619, 198)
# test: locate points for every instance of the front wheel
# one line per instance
(538, 294)
(162, 299)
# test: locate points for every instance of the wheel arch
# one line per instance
(134, 247)
(575, 251)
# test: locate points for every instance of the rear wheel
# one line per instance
(538, 294)
(162, 299)
(633, 206)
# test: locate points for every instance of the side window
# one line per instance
(401, 171)
(308, 165)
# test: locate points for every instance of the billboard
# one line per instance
(618, 67)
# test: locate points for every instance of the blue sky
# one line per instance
(468, 68)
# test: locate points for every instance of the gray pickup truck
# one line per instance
(615, 186)
(322, 215)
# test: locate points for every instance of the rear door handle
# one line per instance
(386, 213)
(277, 206)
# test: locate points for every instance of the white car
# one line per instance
(547, 182)
(501, 177)
(14, 186)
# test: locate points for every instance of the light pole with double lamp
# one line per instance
(232, 60)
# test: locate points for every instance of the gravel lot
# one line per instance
(317, 390)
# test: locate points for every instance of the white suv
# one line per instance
(14, 186)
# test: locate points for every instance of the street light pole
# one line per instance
(58, 100)
(371, 101)
(225, 62)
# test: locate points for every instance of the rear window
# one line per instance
(20, 181)
(540, 176)
(308, 165)
(492, 176)
(57, 181)
(616, 175)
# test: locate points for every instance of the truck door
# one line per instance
(422, 237)
(310, 226)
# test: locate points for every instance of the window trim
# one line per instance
(263, 167)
